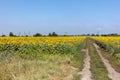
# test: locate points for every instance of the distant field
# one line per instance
(56, 58)
(43, 58)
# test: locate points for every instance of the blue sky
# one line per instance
(61, 16)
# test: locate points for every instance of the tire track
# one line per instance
(114, 75)
(86, 73)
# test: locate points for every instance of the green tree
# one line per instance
(11, 34)
(3, 35)
(54, 34)
(37, 35)
(49, 34)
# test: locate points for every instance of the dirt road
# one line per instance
(86, 73)
(111, 71)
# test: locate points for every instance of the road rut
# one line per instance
(86, 73)
(114, 75)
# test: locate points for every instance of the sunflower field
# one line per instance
(34, 46)
(33, 58)
(110, 44)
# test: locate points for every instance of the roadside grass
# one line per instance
(78, 60)
(42, 67)
(51, 67)
(98, 69)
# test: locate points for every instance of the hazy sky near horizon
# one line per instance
(61, 16)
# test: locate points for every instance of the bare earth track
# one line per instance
(114, 75)
(86, 73)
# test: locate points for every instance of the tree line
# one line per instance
(11, 34)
